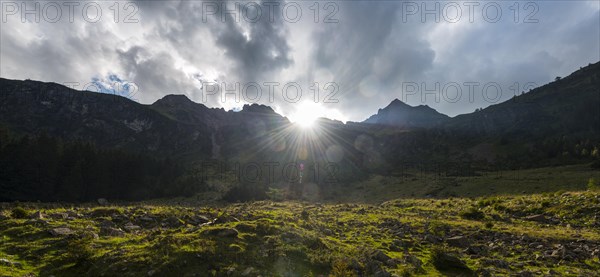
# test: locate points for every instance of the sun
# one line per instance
(306, 113)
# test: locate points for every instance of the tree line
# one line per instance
(46, 168)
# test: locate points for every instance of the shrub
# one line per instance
(19, 212)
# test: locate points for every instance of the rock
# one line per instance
(102, 201)
(537, 218)
(458, 241)
(443, 261)
(221, 232)
(151, 272)
(413, 260)
(380, 256)
(397, 245)
(37, 215)
(90, 234)
(60, 216)
(248, 271)
(62, 231)
(38, 221)
(173, 222)
(131, 227)
(146, 218)
(198, 219)
(5, 262)
(106, 223)
(525, 273)
(483, 273)
(111, 232)
(476, 250)
(432, 239)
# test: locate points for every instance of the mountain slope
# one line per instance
(569, 106)
(31, 107)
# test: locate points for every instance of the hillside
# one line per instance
(551, 234)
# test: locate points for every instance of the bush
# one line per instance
(19, 212)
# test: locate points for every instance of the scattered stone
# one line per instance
(62, 231)
(102, 201)
(458, 241)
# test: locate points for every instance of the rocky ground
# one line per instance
(534, 235)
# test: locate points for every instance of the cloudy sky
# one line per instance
(351, 57)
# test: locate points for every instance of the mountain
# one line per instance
(568, 106)
(399, 114)
(109, 121)
(558, 123)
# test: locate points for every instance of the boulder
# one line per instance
(432, 239)
(458, 241)
(443, 261)
(37, 215)
(131, 227)
(111, 232)
(537, 218)
(61, 231)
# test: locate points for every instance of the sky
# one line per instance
(343, 60)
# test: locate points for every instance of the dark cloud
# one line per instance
(369, 53)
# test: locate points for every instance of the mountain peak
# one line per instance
(258, 108)
(397, 103)
(175, 98)
(400, 114)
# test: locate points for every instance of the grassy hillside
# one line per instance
(414, 183)
(539, 234)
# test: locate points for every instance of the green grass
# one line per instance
(405, 236)
(416, 184)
